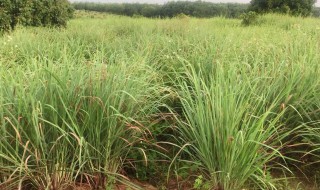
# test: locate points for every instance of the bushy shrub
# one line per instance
(249, 18)
(11, 12)
(181, 16)
(34, 13)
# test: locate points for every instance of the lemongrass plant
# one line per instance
(70, 123)
(229, 125)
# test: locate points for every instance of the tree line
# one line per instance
(204, 9)
(199, 9)
(292, 7)
(58, 12)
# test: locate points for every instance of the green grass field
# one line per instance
(183, 102)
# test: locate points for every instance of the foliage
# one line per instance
(199, 9)
(249, 18)
(50, 13)
(200, 184)
(34, 13)
(5, 24)
(195, 9)
(316, 11)
(294, 7)
(181, 16)
(12, 12)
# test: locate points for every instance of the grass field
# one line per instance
(174, 104)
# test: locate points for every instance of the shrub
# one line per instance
(11, 12)
(181, 16)
(249, 18)
(34, 13)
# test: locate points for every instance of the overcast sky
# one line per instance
(163, 1)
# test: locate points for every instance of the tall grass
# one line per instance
(63, 122)
(76, 102)
(234, 124)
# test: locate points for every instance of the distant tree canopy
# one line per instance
(316, 12)
(293, 7)
(34, 13)
(196, 9)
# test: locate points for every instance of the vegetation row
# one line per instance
(203, 9)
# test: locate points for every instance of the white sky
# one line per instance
(163, 1)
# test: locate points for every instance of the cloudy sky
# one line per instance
(163, 1)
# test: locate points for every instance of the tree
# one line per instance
(294, 7)
(11, 12)
(33, 13)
